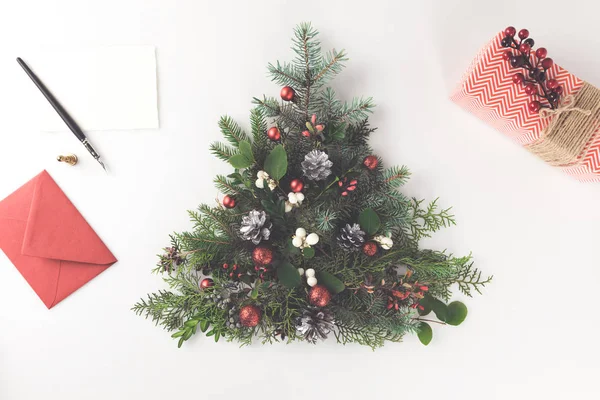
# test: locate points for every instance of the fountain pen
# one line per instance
(61, 112)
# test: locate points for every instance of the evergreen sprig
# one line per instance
(379, 292)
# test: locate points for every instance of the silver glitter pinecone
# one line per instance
(255, 227)
(315, 324)
(316, 165)
(351, 237)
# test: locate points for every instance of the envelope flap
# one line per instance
(17, 205)
(56, 230)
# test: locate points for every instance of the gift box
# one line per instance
(568, 137)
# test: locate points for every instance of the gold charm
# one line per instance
(70, 159)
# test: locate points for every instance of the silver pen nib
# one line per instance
(103, 166)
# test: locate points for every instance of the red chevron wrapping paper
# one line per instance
(487, 91)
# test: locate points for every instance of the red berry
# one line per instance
(534, 106)
(507, 55)
(225, 266)
(287, 93)
(296, 185)
(530, 89)
(274, 134)
(518, 78)
(547, 63)
(229, 201)
(523, 33)
(559, 89)
(524, 47)
(541, 52)
(510, 31)
(552, 84)
(306, 133)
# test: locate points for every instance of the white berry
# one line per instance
(297, 241)
(300, 197)
(301, 232)
(292, 198)
(310, 273)
(312, 281)
(312, 239)
(260, 183)
(288, 207)
(262, 175)
(301, 271)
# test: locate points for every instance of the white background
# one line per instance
(533, 335)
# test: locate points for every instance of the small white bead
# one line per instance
(301, 232)
(297, 241)
(301, 271)
(312, 281)
(310, 273)
(312, 239)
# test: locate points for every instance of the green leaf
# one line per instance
(369, 221)
(308, 252)
(288, 275)
(457, 312)
(181, 340)
(254, 292)
(191, 323)
(204, 325)
(426, 303)
(246, 150)
(238, 161)
(291, 249)
(211, 333)
(276, 163)
(188, 334)
(425, 333)
(177, 334)
(217, 336)
(330, 282)
(440, 309)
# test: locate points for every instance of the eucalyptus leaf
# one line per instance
(426, 303)
(457, 312)
(440, 309)
(369, 221)
(246, 150)
(330, 281)
(276, 163)
(308, 252)
(425, 333)
(238, 161)
(288, 275)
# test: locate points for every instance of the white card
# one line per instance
(105, 88)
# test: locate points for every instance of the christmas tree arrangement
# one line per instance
(312, 238)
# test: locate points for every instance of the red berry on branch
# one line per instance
(510, 31)
(225, 266)
(507, 55)
(287, 93)
(319, 296)
(552, 84)
(206, 283)
(541, 52)
(274, 134)
(530, 89)
(534, 106)
(518, 78)
(523, 33)
(547, 63)
(371, 162)
(524, 47)
(229, 201)
(249, 316)
(296, 185)
(559, 89)
(306, 133)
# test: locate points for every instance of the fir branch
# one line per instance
(222, 151)
(232, 131)
(469, 277)
(357, 110)
(331, 66)
(428, 220)
(268, 105)
(285, 74)
(396, 176)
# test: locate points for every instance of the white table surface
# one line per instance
(533, 335)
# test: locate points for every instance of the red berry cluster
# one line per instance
(536, 82)
(347, 186)
(234, 272)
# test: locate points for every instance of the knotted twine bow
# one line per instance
(569, 133)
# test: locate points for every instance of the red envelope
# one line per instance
(48, 240)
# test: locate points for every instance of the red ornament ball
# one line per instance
(523, 33)
(518, 78)
(547, 63)
(507, 55)
(262, 255)
(371, 162)
(370, 249)
(524, 47)
(274, 134)
(287, 93)
(510, 31)
(296, 185)
(530, 89)
(534, 106)
(229, 201)
(541, 52)
(206, 283)
(552, 84)
(319, 296)
(250, 316)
